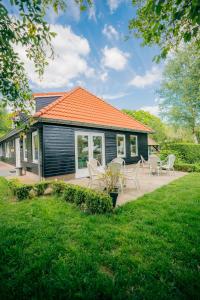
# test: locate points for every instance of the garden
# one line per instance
(147, 249)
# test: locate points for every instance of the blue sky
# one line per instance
(91, 51)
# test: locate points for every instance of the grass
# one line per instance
(149, 249)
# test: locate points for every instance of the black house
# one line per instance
(71, 128)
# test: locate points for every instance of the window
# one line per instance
(133, 145)
(121, 145)
(25, 147)
(35, 147)
(1, 150)
(7, 148)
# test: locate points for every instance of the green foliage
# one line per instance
(180, 93)
(69, 192)
(151, 121)
(98, 203)
(185, 167)
(188, 153)
(26, 27)
(147, 249)
(22, 191)
(58, 187)
(13, 184)
(41, 187)
(166, 23)
(5, 121)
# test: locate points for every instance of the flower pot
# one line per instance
(114, 196)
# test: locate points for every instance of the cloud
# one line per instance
(149, 78)
(113, 4)
(110, 32)
(114, 58)
(114, 96)
(70, 62)
(154, 109)
(103, 76)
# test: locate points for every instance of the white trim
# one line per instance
(124, 138)
(84, 172)
(7, 149)
(136, 154)
(17, 153)
(25, 158)
(34, 133)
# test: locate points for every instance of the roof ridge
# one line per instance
(117, 109)
(46, 108)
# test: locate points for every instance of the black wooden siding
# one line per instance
(41, 102)
(59, 148)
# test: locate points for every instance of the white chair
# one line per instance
(120, 161)
(154, 165)
(169, 166)
(144, 163)
(95, 173)
(132, 175)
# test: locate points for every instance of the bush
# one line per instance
(69, 192)
(163, 154)
(13, 184)
(41, 187)
(188, 153)
(98, 203)
(22, 191)
(58, 187)
(187, 167)
(80, 195)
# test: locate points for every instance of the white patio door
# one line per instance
(88, 145)
(17, 152)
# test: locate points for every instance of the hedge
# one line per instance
(187, 167)
(187, 152)
(91, 201)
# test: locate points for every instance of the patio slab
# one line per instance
(148, 183)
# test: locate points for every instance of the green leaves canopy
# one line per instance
(166, 23)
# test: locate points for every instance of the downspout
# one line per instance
(39, 156)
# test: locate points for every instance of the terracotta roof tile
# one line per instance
(81, 106)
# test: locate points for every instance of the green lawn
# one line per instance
(149, 249)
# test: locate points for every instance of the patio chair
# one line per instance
(169, 166)
(154, 165)
(132, 175)
(95, 171)
(116, 170)
(144, 163)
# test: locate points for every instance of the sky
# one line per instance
(91, 50)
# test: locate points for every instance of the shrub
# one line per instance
(58, 187)
(69, 192)
(98, 203)
(22, 191)
(187, 167)
(163, 154)
(41, 187)
(13, 184)
(80, 195)
(187, 152)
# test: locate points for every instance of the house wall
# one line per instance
(28, 165)
(59, 148)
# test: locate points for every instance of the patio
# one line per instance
(147, 183)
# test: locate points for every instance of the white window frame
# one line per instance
(135, 154)
(7, 149)
(34, 133)
(124, 138)
(25, 150)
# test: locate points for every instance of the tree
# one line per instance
(166, 23)
(5, 121)
(150, 120)
(180, 90)
(28, 28)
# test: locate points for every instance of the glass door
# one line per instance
(88, 145)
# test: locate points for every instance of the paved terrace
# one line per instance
(148, 183)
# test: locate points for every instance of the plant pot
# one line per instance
(114, 196)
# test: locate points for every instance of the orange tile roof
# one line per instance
(81, 106)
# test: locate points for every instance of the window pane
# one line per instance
(133, 145)
(121, 146)
(25, 147)
(83, 151)
(36, 144)
(97, 148)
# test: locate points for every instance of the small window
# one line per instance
(133, 145)
(1, 150)
(121, 145)
(35, 147)
(7, 149)
(25, 147)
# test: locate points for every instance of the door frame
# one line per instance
(17, 153)
(90, 135)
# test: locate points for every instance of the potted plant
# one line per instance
(111, 180)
